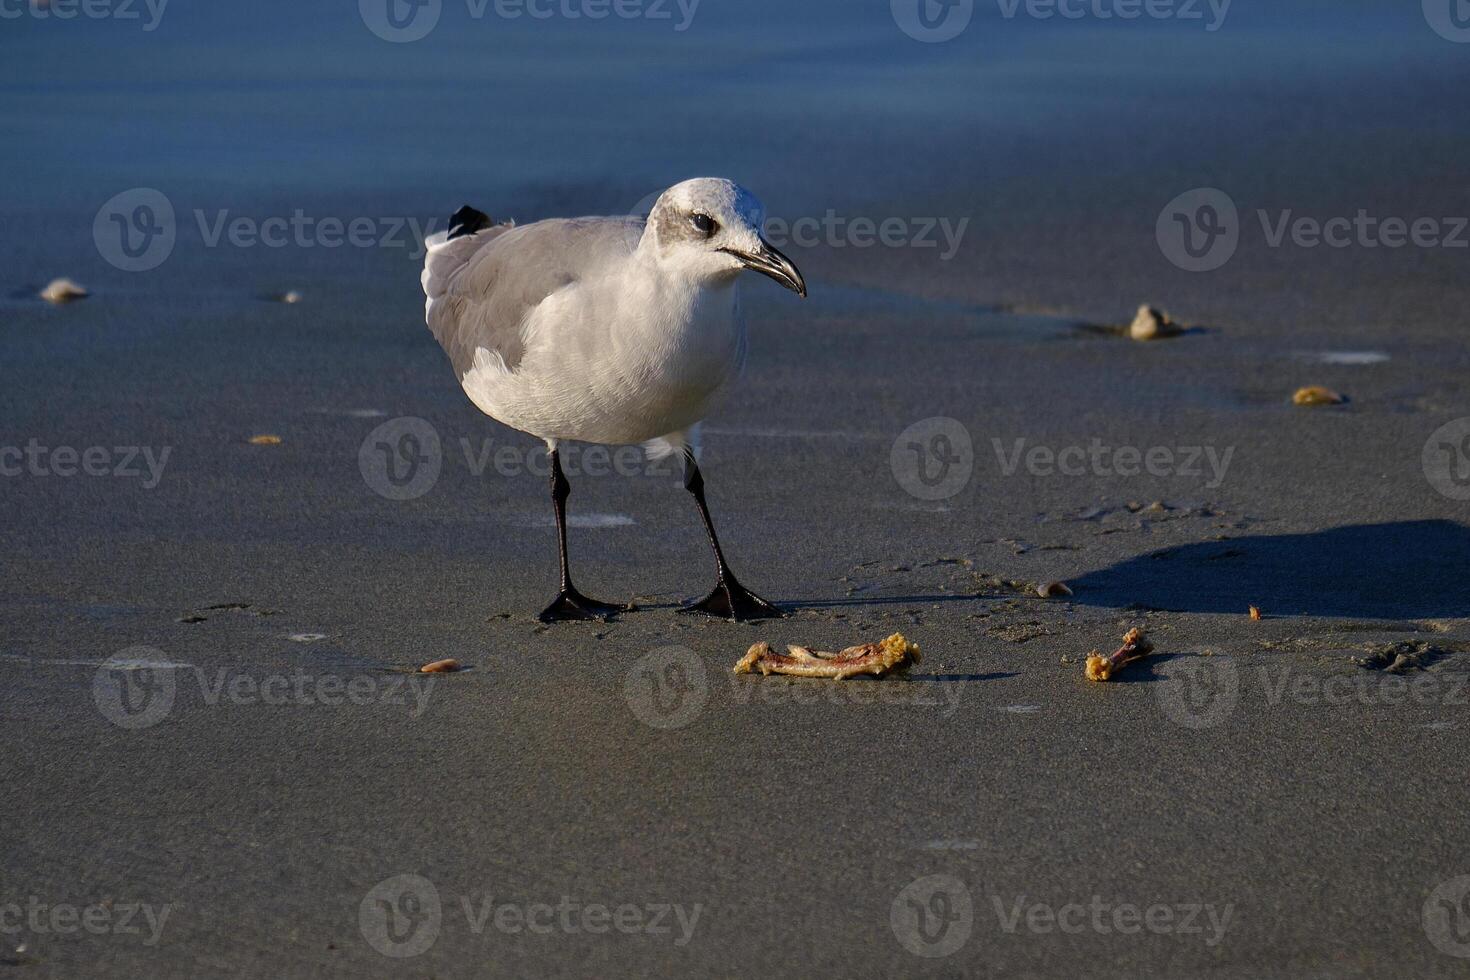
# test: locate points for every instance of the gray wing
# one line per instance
(482, 287)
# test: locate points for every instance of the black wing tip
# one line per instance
(468, 221)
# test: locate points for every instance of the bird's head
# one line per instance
(710, 229)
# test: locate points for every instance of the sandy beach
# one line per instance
(219, 760)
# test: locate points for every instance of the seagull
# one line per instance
(614, 330)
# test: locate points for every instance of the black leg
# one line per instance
(569, 603)
(730, 599)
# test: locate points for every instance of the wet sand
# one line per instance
(1250, 771)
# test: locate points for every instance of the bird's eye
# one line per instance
(704, 224)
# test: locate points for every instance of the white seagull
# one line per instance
(620, 331)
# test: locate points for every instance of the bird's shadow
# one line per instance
(1403, 570)
(1399, 570)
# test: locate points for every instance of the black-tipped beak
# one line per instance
(768, 261)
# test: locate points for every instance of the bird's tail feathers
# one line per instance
(446, 252)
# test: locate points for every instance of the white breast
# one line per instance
(617, 361)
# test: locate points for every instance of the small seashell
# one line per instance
(62, 291)
(446, 666)
(306, 637)
(1049, 589)
(290, 297)
(1316, 395)
(264, 440)
(1152, 323)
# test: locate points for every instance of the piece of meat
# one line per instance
(1135, 647)
(894, 653)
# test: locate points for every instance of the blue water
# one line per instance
(273, 96)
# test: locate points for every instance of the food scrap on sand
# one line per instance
(894, 653)
(446, 666)
(1135, 647)
(1316, 395)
